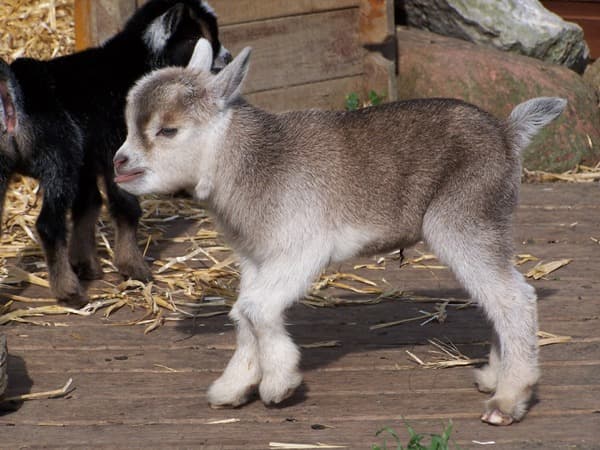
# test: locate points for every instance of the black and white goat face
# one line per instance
(171, 37)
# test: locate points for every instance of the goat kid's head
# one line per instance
(177, 121)
(171, 36)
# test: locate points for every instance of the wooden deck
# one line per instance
(148, 391)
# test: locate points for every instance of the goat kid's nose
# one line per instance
(119, 161)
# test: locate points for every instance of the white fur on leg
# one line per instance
(486, 377)
(279, 359)
(519, 370)
(508, 301)
(242, 374)
(277, 286)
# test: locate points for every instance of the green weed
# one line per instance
(437, 442)
(353, 101)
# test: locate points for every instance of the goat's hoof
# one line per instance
(67, 289)
(222, 394)
(497, 417)
(136, 272)
(74, 298)
(275, 391)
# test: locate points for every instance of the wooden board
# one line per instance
(135, 390)
(97, 20)
(307, 54)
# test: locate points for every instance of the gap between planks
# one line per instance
(267, 419)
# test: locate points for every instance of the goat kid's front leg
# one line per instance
(6, 168)
(52, 230)
(242, 374)
(82, 246)
(265, 355)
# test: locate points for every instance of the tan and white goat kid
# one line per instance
(297, 191)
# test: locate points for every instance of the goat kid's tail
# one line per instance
(529, 117)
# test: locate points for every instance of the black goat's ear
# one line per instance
(202, 58)
(163, 27)
(8, 118)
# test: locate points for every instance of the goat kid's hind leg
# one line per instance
(486, 377)
(52, 229)
(242, 374)
(126, 212)
(82, 248)
(479, 262)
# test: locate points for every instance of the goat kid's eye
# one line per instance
(167, 132)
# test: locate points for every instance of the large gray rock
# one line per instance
(431, 65)
(522, 26)
(592, 75)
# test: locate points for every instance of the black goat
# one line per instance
(62, 120)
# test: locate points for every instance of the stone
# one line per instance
(592, 75)
(522, 26)
(431, 65)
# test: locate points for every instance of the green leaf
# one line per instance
(352, 101)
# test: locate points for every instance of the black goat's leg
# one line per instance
(52, 229)
(6, 168)
(82, 246)
(126, 212)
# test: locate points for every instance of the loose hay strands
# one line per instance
(57, 393)
(541, 270)
(580, 174)
(18, 275)
(36, 29)
(545, 338)
(51, 310)
(447, 354)
(290, 446)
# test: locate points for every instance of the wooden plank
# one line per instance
(96, 21)
(297, 50)
(230, 12)
(88, 406)
(549, 433)
(328, 94)
(185, 385)
(241, 11)
(377, 34)
(83, 31)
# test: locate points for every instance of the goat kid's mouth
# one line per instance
(125, 177)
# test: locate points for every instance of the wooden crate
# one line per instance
(307, 54)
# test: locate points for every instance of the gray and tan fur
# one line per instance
(297, 191)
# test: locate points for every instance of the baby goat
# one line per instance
(62, 121)
(294, 192)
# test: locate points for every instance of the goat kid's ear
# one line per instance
(228, 82)
(202, 57)
(163, 27)
(8, 118)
